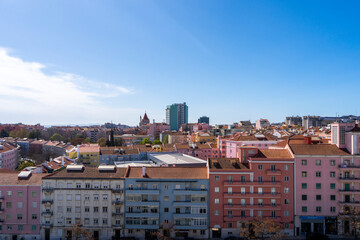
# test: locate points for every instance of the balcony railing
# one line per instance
(349, 190)
(117, 202)
(117, 213)
(117, 190)
(348, 166)
(349, 202)
(48, 189)
(49, 213)
(349, 178)
(47, 201)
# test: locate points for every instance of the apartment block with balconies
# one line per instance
(166, 201)
(85, 197)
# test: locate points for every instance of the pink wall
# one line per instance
(27, 209)
(232, 146)
(9, 159)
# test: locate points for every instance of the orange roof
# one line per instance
(12, 179)
(317, 149)
(273, 154)
(226, 163)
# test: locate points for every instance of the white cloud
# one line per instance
(28, 94)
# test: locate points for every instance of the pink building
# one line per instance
(9, 154)
(258, 141)
(20, 195)
(156, 128)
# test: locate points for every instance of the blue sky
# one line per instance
(97, 61)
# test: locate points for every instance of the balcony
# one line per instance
(117, 190)
(349, 166)
(117, 226)
(356, 203)
(142, 226)
(189, 215)
(349, 178)
(48, 189)
(190, 191)
(189, 203)
(47, 213)
(273, 172)
(352, 190)
(47, 225)
(117, 202)
(143, 191)
(143, 203)
(142, 214)
(49, 201)
(117, 214)
(189, 226)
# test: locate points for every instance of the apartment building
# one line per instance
(87, 154)
(92, 198)
(257, 185)
(20, 195)
(9, 155)
(166, 201)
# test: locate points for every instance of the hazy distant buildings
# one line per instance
(176, 115)
(262, 123)
(293, 120)
(204, 119)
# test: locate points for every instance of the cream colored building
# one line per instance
(91, 198)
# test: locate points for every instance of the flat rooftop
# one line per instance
(176, 159)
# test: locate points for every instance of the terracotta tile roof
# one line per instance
(356, 128)
(169, 172)
(274, 154)
(87, 173)
(89, 148)
(12, 179)
(316, 149)
(226, 163)
(7, 147)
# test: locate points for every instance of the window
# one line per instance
(68, 209)
(87, 197)
(318, 186)
(87, 209)
(332, 185)
(34, 216)
(33, 227)
(332, 197)
(332, 209)
(273, 214)
(332, 174)
(304, 185)
(304, 174)
(20, 193)
(242, 190)
(19, 205)
(216, 213)
(304, 209)
(96, 197)
(260, 202)
(177, 186)
(243, 179)
(8, 204)
(273, 179)
(216, 201)
(9, 193)
(60, 197)
(19, 216)
(318, 197)
(260, 179)
(286, 201)
(105, 197)
(230, 190)
(60, 209)
(105, 221)
(78, 185)
(318, 162)
(318, 174)
(260, 190)
(318, 209)
(260, 167)
(96, 209)
(87, 185)
(286, 213)
(260, 213)
(273, 191)
(77, 197)
(9, 227)
(166, 198)
(230, 225)
(166, 209)
(286, 167)
(78, 209)
(34, 204)
(230, 179)
(105, 209)
(217, 189)
(166, 187)
(243, 213)
(304, 197)
(332, 162)
(286, 190)
(68, 197)
(34, 194)
(217, 178)
(230, 201)
(68, 221)
(303, 162)
(286, 178)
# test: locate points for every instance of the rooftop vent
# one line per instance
(107, 168)
(23, 175)
(75, 168)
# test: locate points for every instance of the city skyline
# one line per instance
(229, 61)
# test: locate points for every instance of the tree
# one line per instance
(146, 141)
(25, 165)
(87, 140)
(157, 141)
(166, 139)
(3, 133)
(352, 215)
(261, 228)
(101, 142)
(118, 141)
(78, 232)
(56, 137)
(20, 133)
(77, 141)
(164, 231)
(34, 134)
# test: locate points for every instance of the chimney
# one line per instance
(307, 140)
(144, 171)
